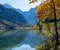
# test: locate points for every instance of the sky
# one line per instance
(20, 4)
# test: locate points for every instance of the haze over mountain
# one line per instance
(33, 40)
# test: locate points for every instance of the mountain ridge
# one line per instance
(30, 15)
(12, 15)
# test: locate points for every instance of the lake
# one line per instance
(18, 39)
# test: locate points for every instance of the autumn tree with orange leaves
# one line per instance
(49, 9)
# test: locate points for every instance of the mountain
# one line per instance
(29, 15)
(12, 16)
(8, 6)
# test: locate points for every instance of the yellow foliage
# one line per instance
(41, 18)
(33, 1)
(45, 9)
(39, 47)
(48, 44)
(51, 15)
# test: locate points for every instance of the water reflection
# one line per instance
(24, 47)
(15, 38)
(12, 37)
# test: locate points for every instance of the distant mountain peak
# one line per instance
(18, 10)
(8, 6)
(30, 15)
(32, 9)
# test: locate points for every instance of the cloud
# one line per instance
(24, 47)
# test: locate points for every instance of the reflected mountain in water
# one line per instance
(32, 39)
(18, 38)
(10, 38)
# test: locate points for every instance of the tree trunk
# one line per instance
(40, 26)
(56, 29)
